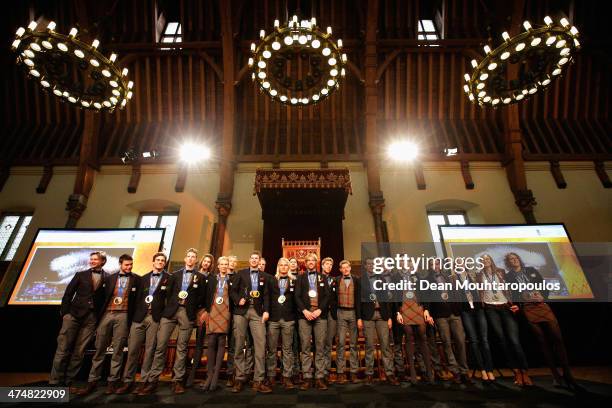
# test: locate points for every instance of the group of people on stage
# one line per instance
(309, 310)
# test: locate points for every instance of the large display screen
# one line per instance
(57, 254)
(545, 247)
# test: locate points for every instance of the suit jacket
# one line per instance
(211, 292)
(368, 307)
(533, 276)
(332, 307)
(109, 288)
(302, 300)
(286, 310)
(80, 298)
(241, 287)
(339, 280)
(159, 297)
(196, 292)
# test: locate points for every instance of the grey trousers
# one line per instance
(332, 331)
(347, 322)
(397, 343)
(451, 329)
(166, 327)
(143, 332)
(112, 330)
(285, 329)
(379, 328)
(433, 350)
(250, 320)
(231, 353)
(306, 328)
(71, 342)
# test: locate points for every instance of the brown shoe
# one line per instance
(261, 387)
(271, 382)
(139, 388)
(238, 385)
(392, 380)
(230, 382)
(320, 384)
(149, 388)
(306, 384)
(354, 378)
(288, 383)
(369, 379)
(178, 388)
(341, 379)
(125, 388)
(91, 387)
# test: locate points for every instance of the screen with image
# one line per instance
(57, 254)
(545, 247)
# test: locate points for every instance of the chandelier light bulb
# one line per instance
(480, 85)
(266, 84)
(331, 61)
(536, 41)
(495, 101)
(483, 76)
(302, 39)
(527, 25)
(313, 22)
(343, 57)
(474, 63)
(551, 40)
(294, 100)
(28, 62)
(15, 44)
(250, 62)
(267, 54)
(520, 47)
(325, 51)
(113, 57)
(252, 47)
(486, 98)
(85, 104)
(315, 97)
(561, 43)
(283, 98)
(45, 83)
(47, 44)
(106, 73)
(66, 94)
(339, 42)
(273, 92)
(20, 31)
(107, 104)
(261, 64)
(576, 42)
(95, 43)
(124, 72)
(129, 95)
(574, 30)
(79, 53)
(333, 72)
(546, 82)
(35, 46)
(342, 72)
(548, 20)
(564, 22)
(276, 46)
(563, 60)
(481, 94)
(556, 71)
(72, 99)
(471, 97)
(276, 23)
(466, 88)
(97, 105)
(467, 77)
(519, 97)
(116, 92)
(114, 84)
(329, 30)
(492, 66)
(505, 36)
(29, 53)
(288, 40)
(261, 75)
(57, 92)
(262, 34)
(507, 100)
(51, 25)
(94, 62)
(324, 91)
(330, 82)
(487, 49)
(62, 47)
(130, 84)
(315, 43)
(35, 73)
(32, 25)
(73, 32)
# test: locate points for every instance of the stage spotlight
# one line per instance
(451, 151)
(403, 151)
(193, 152)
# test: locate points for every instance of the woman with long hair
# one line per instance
(541, 319)
(218, 322)
(207, 265)
(499, 311)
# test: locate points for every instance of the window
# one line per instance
(436, 218)
(172, 34)
(12, 230)
(427, 32)
(160, 220)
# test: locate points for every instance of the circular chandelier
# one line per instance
(71, 69)
(542, 54)
(298, 64)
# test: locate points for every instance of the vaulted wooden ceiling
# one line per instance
(179, 93)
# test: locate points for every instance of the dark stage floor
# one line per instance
(503, 394)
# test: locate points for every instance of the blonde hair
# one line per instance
(312, 255)
(277, 275)
(344, 261)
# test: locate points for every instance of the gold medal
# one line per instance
(219, 300)
(183, 294)
(149, 299)
(254, 293)
(118, 300)
(312, 293)
(281, 299)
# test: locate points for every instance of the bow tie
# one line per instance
(187, 271)
(312, 273)
(347, 278)
(157, 275)
(283, 277)
(96, 271)
(125, 275)
(254, 271)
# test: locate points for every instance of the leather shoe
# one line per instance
(261, 387)
(178, 388)
(306, 384)
(139, 388)
(289, 384)
(111, 388)
(237, 386)
(320, 384)
(125, 388)
(91, 387)
(230, 382)
(149, 388)
(392, 380)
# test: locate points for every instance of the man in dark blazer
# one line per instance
(348, 300)
(282, 322)
(312, 300)
(251, 301)
(149, 305)
(332, 315)
(376, 321)
(80, 307)
(120, 291)
(185, 295)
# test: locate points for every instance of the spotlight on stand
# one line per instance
(402, 151)
(192, 153)
(450, 151)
